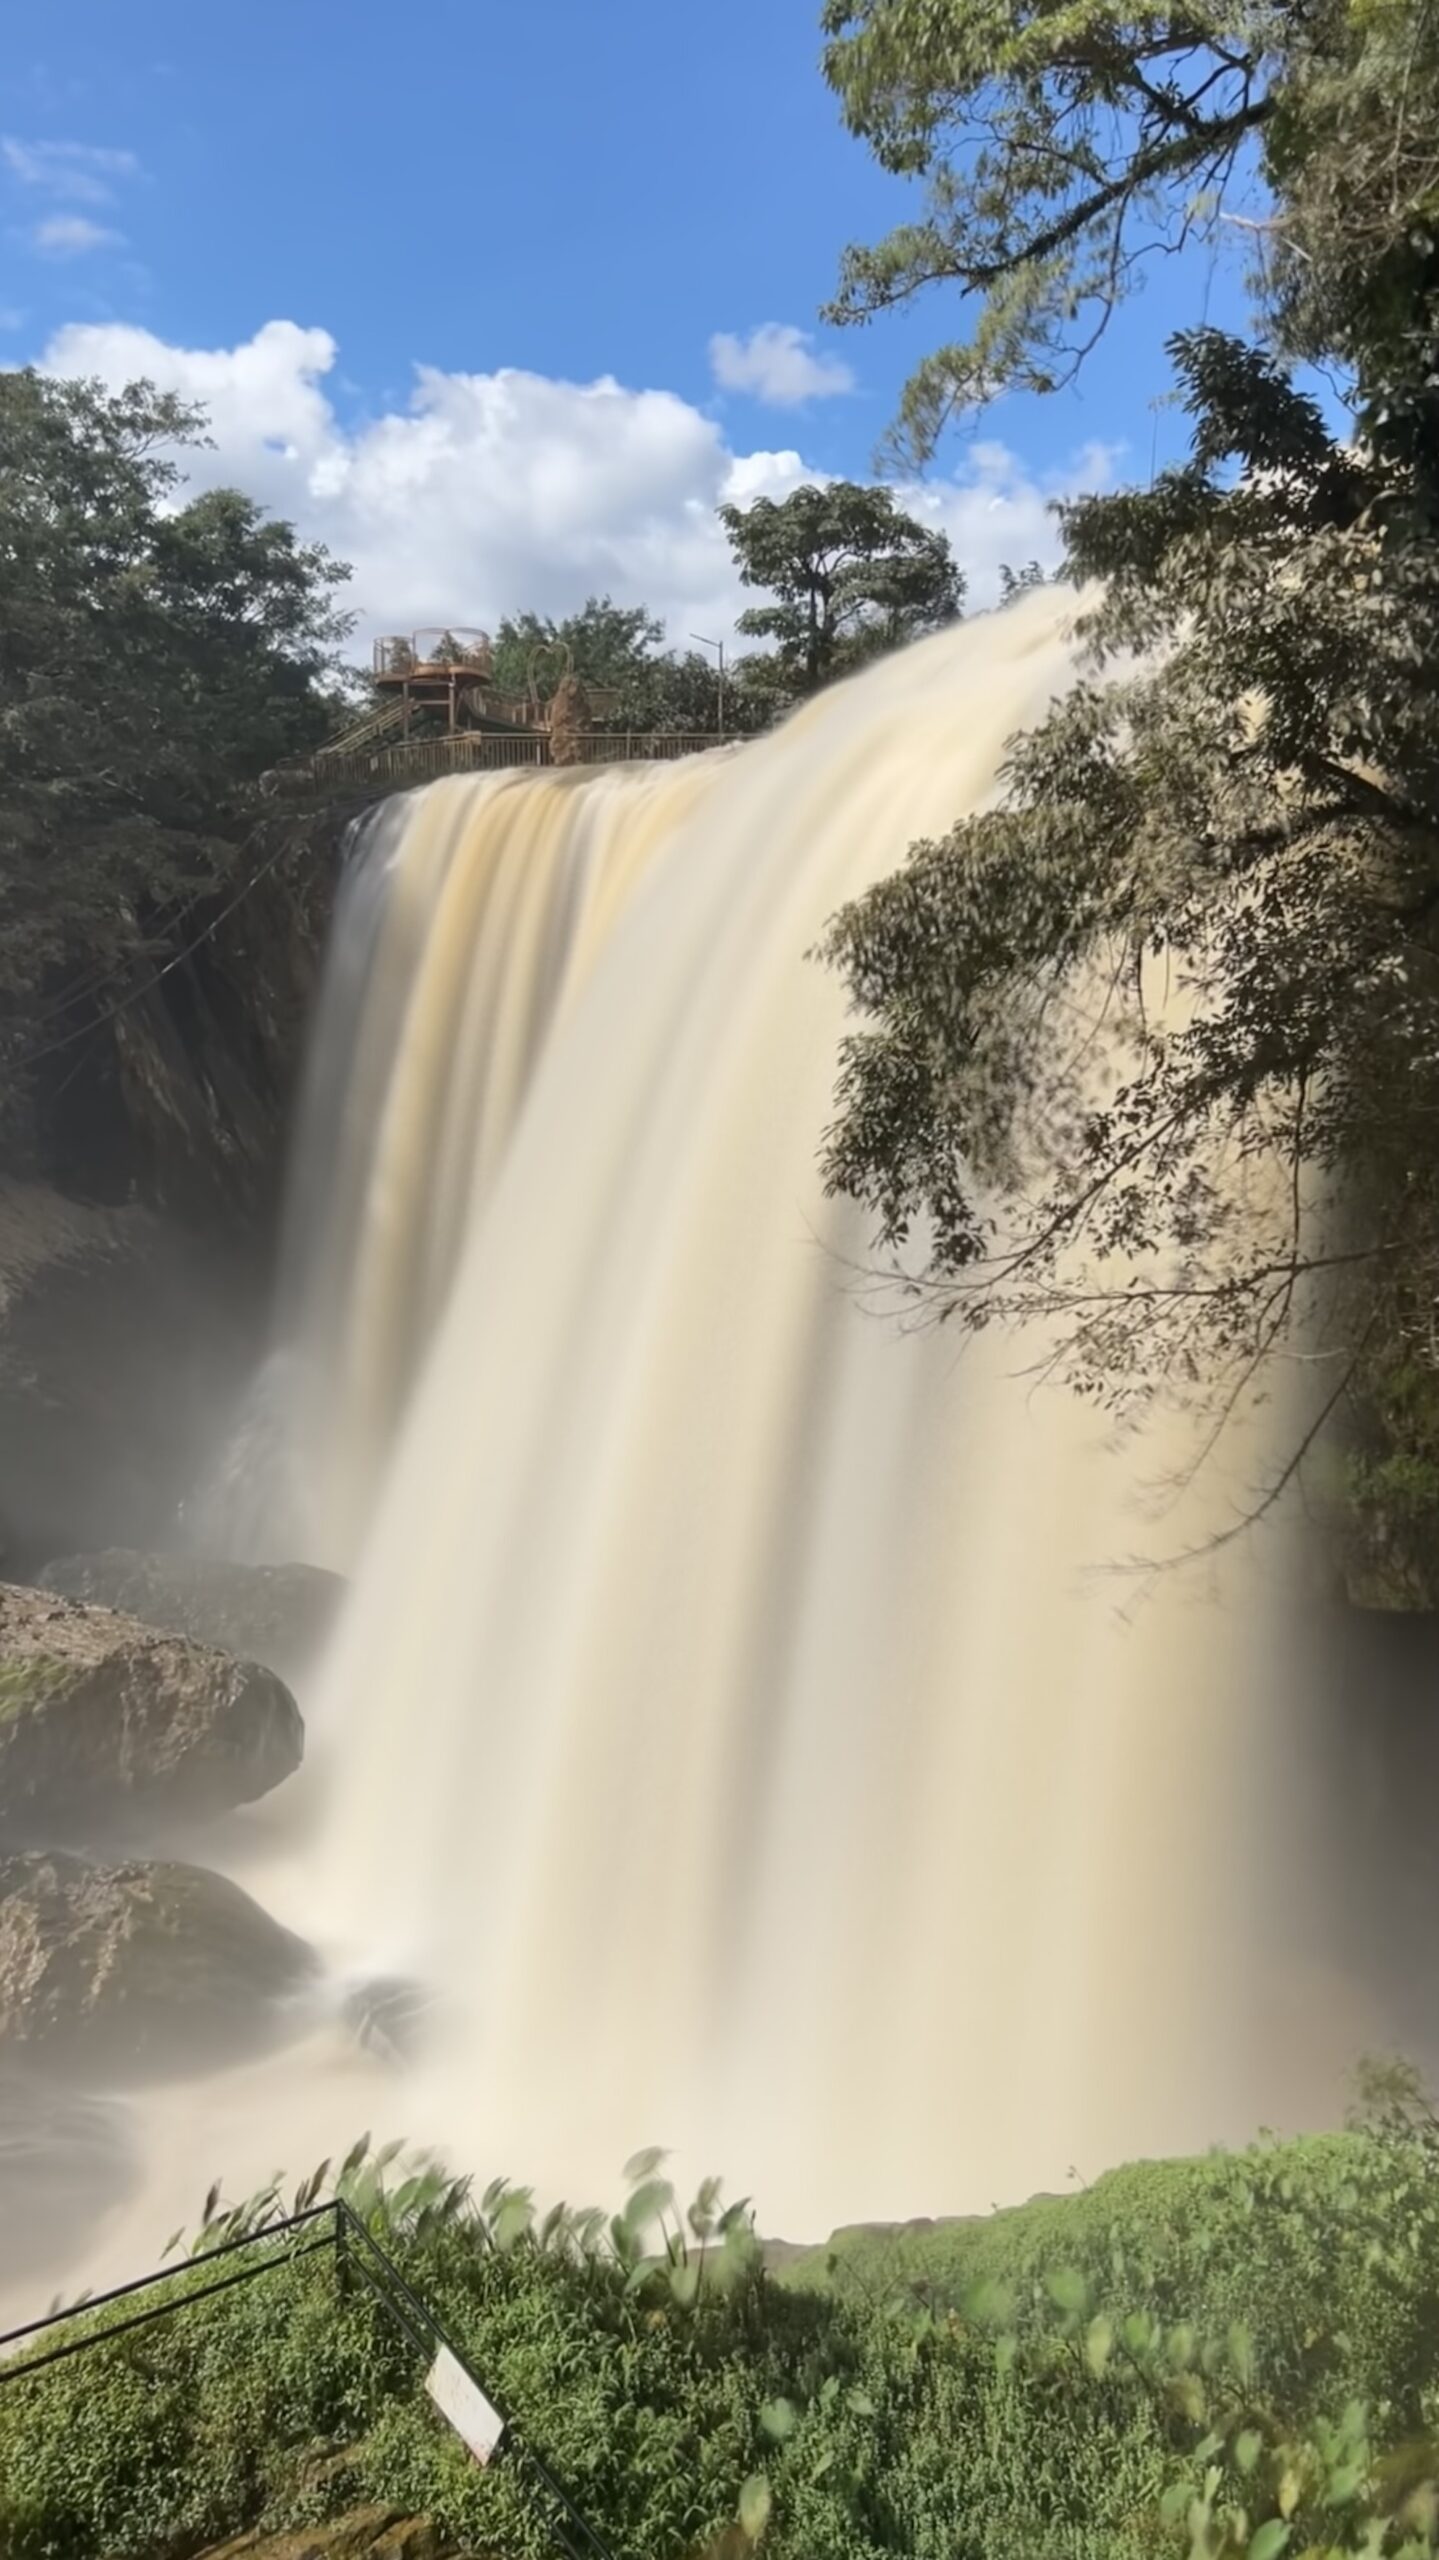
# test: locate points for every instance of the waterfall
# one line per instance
(734, 1721)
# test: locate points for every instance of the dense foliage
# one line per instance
(850, 576)
(619, 650)
(1245, 815)
(156, 657)
(1208, 2358)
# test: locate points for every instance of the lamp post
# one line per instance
(714, 644)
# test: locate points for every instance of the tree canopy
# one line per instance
(1251, 805)
(1058, 149)
(156, 657)
(620, 649)
(849, 573)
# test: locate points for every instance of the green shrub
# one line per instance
(1205, 2360)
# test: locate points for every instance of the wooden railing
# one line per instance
(489, 751)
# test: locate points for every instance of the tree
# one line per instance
(619, 650)
(1254, 814)
(1058, 148)
(156, 657)
(606, 642)
(851, 576)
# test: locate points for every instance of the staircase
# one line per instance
(371, 731)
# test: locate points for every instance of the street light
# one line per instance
(714, 644)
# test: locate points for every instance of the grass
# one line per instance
(1216, 2359)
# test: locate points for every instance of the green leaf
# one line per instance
(1068, 2288)
(1098, 2345)
(989, 2305)
(755, 2503)
(685, 2283)
(643, 2165)
(647, 2204)
(777, 2418)
(1270, 2540)
(1247, 2450)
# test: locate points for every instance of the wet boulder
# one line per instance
(139, 1970)
(107, 1726)
(277, 1614)
(389, 2016)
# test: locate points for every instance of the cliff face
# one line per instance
(172, 1090)
(140, 1185)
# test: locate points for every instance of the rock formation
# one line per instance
(108, 1727)
(137, 1970)
(275, 1614)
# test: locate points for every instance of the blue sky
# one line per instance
(289, 207)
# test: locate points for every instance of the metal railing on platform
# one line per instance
(490, 751)
(336, 2229)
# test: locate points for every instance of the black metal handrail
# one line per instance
(354, 2246)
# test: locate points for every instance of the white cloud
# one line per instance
(77, 171)
(997, 510)
(72, 235)
(489, 492)
(776, 363)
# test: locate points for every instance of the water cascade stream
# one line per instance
(734, 1725)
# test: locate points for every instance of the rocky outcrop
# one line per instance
(367, 2533)
(65, 2161)
(138, 1970)
(279, 1615)
(124, 1344)
(171, 1084)
(107, 1726)
(143, 1129)
(389, 2016)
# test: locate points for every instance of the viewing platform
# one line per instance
(435, 708)
(452, 673)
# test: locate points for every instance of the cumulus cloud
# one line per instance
(77, 171)
(490, 492)
(72, 235)
(777, 364)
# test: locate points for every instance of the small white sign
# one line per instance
(463, 2403)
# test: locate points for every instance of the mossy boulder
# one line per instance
(139, 1969)
(107, 1726)
(276, 1614)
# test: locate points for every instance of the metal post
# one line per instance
(719, 645)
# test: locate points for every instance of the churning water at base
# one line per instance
(733, 1724)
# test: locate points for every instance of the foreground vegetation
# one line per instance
(1232, 2356)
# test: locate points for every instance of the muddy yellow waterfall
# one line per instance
(737, 1726)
